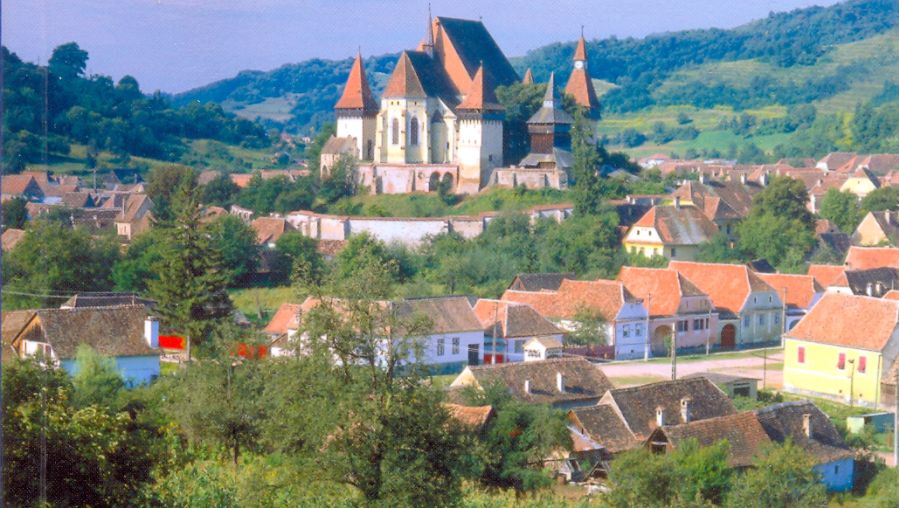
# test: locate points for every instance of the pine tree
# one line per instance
(191, 290)
(587, 185)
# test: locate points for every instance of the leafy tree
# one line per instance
(97, 380)
(520, 101)
(190, 291)
(581, 244)
(137, 266)
(163, 183)
(884, 198)
(782, 477)
(341, 181)
(883, 492)
(220, 191)
(720, 249)
(779, 227)
(68, 61)
(360, 251)
(14, 213)
(750, 153)
(587, 195)
(293, 248)
(42, 264)
(589, 328)
(236, 243)
(841, 209)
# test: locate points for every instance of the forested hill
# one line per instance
(302, 95)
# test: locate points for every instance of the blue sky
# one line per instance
(174, 45)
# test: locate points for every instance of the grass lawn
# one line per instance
(443, 381)
(253, 301)
(167, 368)
(627, 381)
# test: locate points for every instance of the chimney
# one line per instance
(677, 202)
(527, 386)
(879, 288)
(743, 178)
(660, 416)
(685, 409)
(764, 180)
(560, 382)
(807, 425)
(151, 332)
(703, 178)
(888, 216)
(869, 289)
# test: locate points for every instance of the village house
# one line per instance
(749, 310)
(20, 186)
(562, 383)
(539, 281)
(862, 258)
(744, 434)
(861, 182)
(878, 229)
(724, 202)
(799, 292)
(624, 315)
(843, 349)
(676, 308)
(508, 326)
(127, 334)
(269, 229)
(810, 429)
(542, 348)
(732, 385)
(875, 282)
(674, 232)
(826, 275)
(135, 213)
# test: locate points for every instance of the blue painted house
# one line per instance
(126, 334)
(809, 428)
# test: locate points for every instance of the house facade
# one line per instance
(509, 326)
(799, 292)
(877, 229)
(843, 349)
(673, 232)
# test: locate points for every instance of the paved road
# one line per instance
(751, 366)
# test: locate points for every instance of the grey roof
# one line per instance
(551, 112)
(540, 281)
(720, 378)
(785, 420)
(79, 301)
(447, 314)
(111, 331)
(603, 424)
(559, 158)
(881, 280)
(583, 380)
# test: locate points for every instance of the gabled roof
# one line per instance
(861, 258)
(473, 417)
(604, 424)
(872, 282)
(662, 288)
(743, 432)
(785, 421)
(582, 380)
(678, 225)
(77, 200)
(540, 281)
(835, 320)
(604, 296)
(11, 237)
(512, 320)
(417, 75)
(580, 86)
(447, 314)
(826, 275)
(835, 160)
(19, 185)
(357, 93)
(887, 222)
(719, 200)
(892, 294)
(637, 405)
(480, 96)
(800, 289)
(336, 146)
(727, 285)
(404, 81)
(270, 229)
(12, 323)
(111, 299)
(111, 331)
(464, 45)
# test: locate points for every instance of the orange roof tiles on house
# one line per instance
(356, 93)
(678, 225)
(285, 318)
(862, 258)
(661, 287)
(11, 237)
(800, 289)
(727, 285)
(835, 320)
(892, 294)
(826, 275)
(404, 81)
(528, 78)
(743, 432)
(604, 296)
(241, 180)
(470, 416)
(19, 184)
(481, 96)
(269, 229)
(512, 319)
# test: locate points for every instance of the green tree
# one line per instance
(137, 267)
(162, 184)
(220, 191)
(779, 228)
(340, 182)
(587, 195)
(884, 198)
(236, 243)
(581, 244)
(190, 291)
(42, 265)
(782, 477)
(292, 248)
(97, 380)
(589, 328)
(720, 249)
(520, 101)
(360, 251)
(841, 209)
(14, 214)
(883, 492)
(68, 61)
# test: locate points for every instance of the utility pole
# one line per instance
(783, 318)
(648, 342)
(495, 323)
(764, 368)
(851, 380)
(674, 351)
(896, 421)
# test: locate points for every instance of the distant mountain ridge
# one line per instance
(302, 95)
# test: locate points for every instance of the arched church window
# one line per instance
(395, 132)
(413, 131)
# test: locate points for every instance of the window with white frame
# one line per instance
(626, 330)
(441, 346)
(683, 326)
(699, 324)
(455, 345)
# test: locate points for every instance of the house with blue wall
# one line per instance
(127, 334)
(810, 429)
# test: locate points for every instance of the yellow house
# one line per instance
(861, 183)
(877, 228)
(674, 232)
(843, 349)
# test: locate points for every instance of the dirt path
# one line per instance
(750, 366)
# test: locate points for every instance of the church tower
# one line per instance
(480, 134)
(356, 112)
(580, 86)
(402, 124)
(550, 127)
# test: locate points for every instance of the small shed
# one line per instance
(881, 422)
(733, 386)
(542, 348)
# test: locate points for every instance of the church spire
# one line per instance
(549, 98)
(429, 36)
(580, 53)
(357, 94)
(579, 85)
(528, 77)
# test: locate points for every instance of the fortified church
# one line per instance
(439, 118)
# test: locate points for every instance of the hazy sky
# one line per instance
(174, 45)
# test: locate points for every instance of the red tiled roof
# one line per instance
(679, 225)
(16, 184)
(286, 317)
(801, 289)
(727, 285)
(11, 237)
(892, 294)
(528, 78)
(743, 432)
(481, 96)
(269, 229)
(826, 275)
(580, 53)
(404, 81)
(470, 416)
(665, 287)
(513, 319)
(835, 319)
(862, 258)
(604, 296)
(356, 93)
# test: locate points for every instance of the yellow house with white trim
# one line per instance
(843, 349)
(674, 232)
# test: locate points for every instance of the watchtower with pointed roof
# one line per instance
(357, 111)
(480, 134)
(580, 86)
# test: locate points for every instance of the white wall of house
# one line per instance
(449, 351)
(760, 318)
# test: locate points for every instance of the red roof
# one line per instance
(728, 285)
(605, 296)
(404, 82)
(285, 318)
(528, 77)
(662, 288)
(847, 320)
(801, 289)
(481, 95)
(580, 53)
(862, 258)
(826, 275)
(356, 93)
